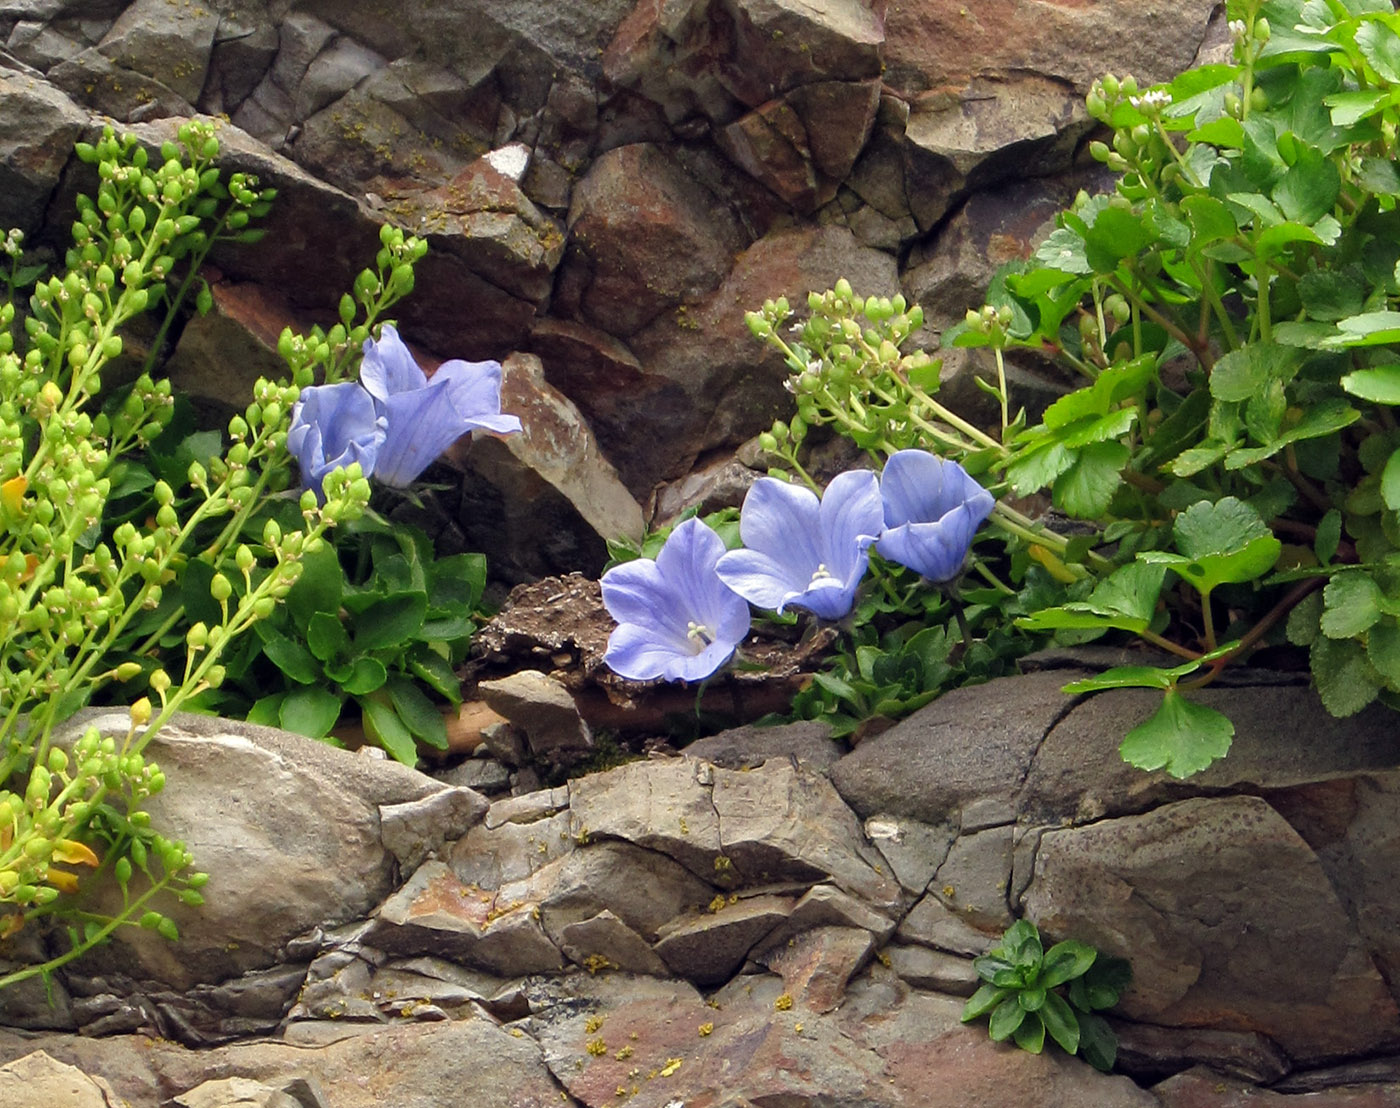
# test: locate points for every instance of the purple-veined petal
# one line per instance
(760, 579)
(932, 512)
(424, 422)
(334, 426)
(675, 618)
(388, 368)
(782, 520)
(852, 517)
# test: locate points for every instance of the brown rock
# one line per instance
(710, 947)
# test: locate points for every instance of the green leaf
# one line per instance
(1098, 1045)
(326, 636)
(1031, 997)
(419, 714)
(1006, 1018)
(1310, 187)
(1328, 536)
(1380, 46)
(1182, 737)
(1305, 620)
(363, 675)
(437, 673)
(383, 725)
(1221, 542)
(1390, 481)
(1332, 294)
(1210, 219)
(290, 657)
(1065, 961)
(1125, 677)
(1061, 1022)
(1353, 603)
(390, 622)
(1241, 374)
(265, 710)
(1380, 384)
(1030, 1035)
(1116, 234)
(983, 1001)
(1126, 599)
(318, 588)
(1383, 650)
(1085, 489)
(1033, 469)
(1349, 108)
(1346, 679)
(309, 710)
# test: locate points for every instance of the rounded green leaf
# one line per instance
(1006, 1018)
(1061, 1022)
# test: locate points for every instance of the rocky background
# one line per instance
(764, 922)
(606, 186)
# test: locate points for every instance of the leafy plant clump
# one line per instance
(1227, 477)
(1031, 992)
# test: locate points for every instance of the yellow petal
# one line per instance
(62, 880)
(12, 494)
(73, 852)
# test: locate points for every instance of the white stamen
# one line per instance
(699, 633)
(820, 572)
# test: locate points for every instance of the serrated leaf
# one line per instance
(1219, 543)
(1383, 650)
(1349, 108)
(1380, 46)
(319, 587)
(1346, 680)
(1329, 534)
(1352, 602)
(1038, 467)
(363, 675)
(1241, 374)
(1309, 188)
(1380, 384)
(1181, 737)
(1211, 220)
(1305, 620)
(1332, 294)
(1116, 234)
(1086, 488)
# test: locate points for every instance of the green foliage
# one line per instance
(1231, 461)
(377, 623)
(78, 582)
(1030, 992)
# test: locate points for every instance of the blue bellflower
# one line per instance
(426, 416)
(334, 426)
(675, 618)
(801, 551)
(932, 511)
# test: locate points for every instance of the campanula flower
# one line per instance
(333, 426)
(932, 510)
(675, 618)
(802, 551)
(427, 416)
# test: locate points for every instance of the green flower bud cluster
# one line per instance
(848, 371)
(336, 352)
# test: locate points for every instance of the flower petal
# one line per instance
(760, 579)
(388, 368)
(781, 520)
(933, 550)
(334, 426)
(638, 653)
(919, 487)
(851, 518)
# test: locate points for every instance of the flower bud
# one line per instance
(141, 712)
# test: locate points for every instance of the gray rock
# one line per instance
(955, 758)
(603, 942)
(974, 878)
(1226, 916)
(933, 969)
(240, 1092)
(807, 743)
(541, 708)
(914, 850)
(435, 913)
(299, 849)
(170, 43)
(39, 1079)
(416, 828)
(708, 948)
(38, 126)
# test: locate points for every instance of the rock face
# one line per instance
(606, 187)
(755, 922)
